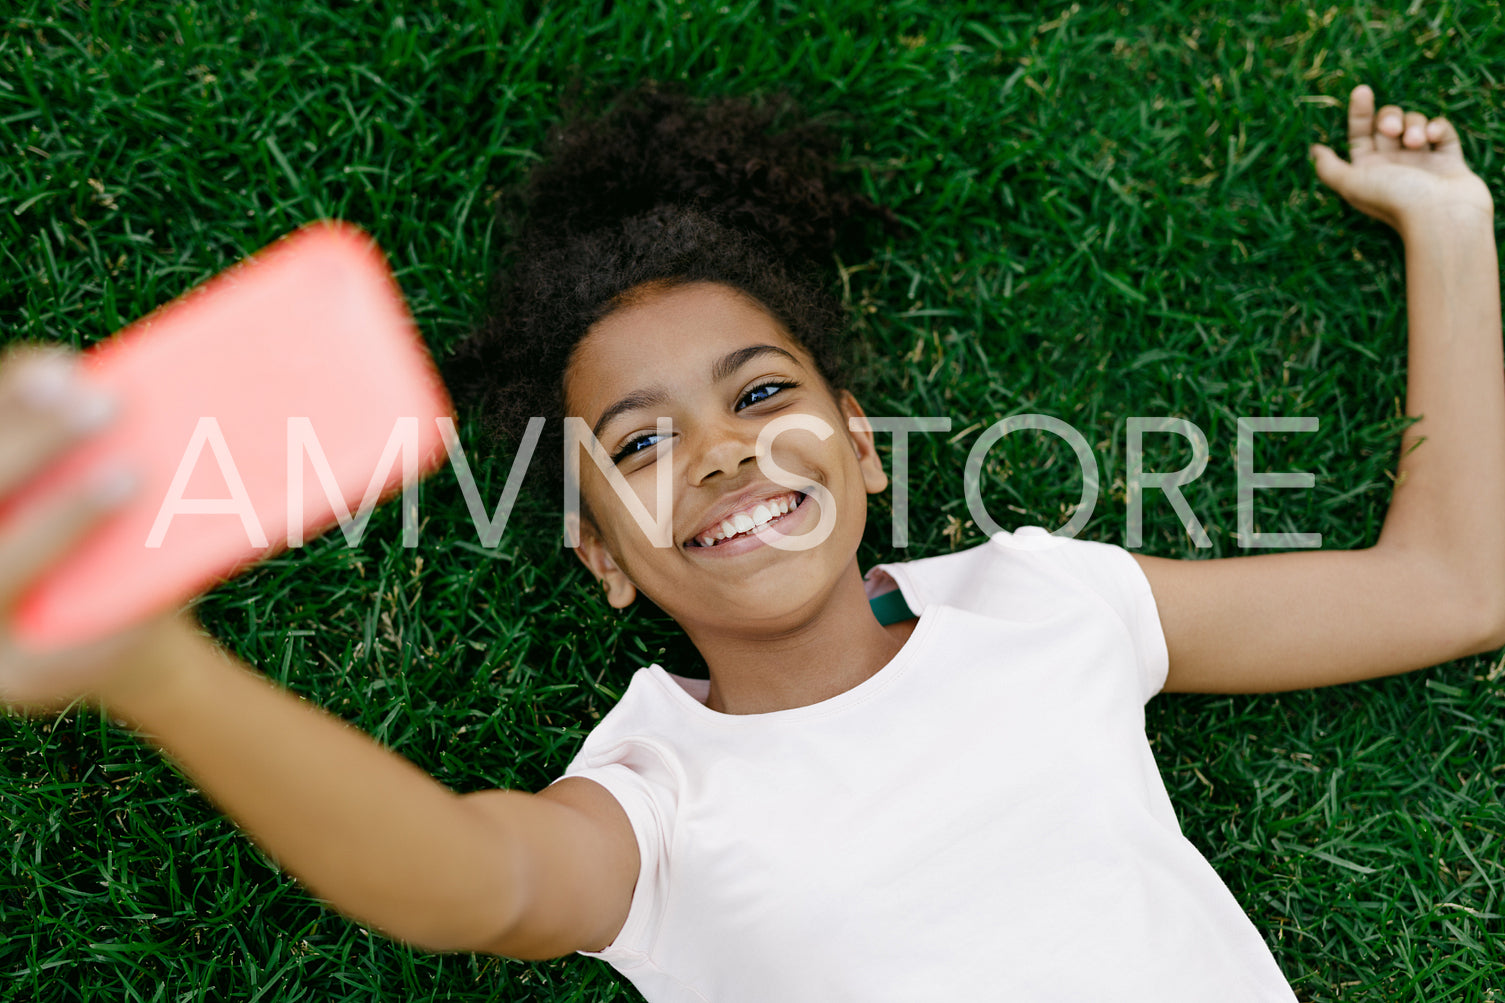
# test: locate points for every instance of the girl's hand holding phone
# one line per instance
(44, 412)
(309, 334)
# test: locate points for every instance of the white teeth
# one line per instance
(744, 522)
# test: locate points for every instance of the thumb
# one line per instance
(1331, 168)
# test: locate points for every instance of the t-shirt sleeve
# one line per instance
(638, 799)
(1112, 573)
(1025, 573)
(642, 775)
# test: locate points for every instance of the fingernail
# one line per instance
(44, 382)
(90, 410)
(111, 487)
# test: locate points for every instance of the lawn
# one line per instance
(1110, 215)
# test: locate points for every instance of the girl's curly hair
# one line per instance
(659, 192)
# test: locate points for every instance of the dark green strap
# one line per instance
(890, 607)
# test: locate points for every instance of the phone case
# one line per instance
(307, 344)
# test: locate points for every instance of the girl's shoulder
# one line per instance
(1024, 567)
(1030, 574)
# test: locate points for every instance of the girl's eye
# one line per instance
(763, 391)
(636, 445)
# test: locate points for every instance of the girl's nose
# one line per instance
(724, 448)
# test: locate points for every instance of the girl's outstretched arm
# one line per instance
(1433, 587)
(528, 875)
(505, 872)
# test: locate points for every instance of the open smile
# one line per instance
(747, 521)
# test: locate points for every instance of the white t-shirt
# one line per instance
(980, 820)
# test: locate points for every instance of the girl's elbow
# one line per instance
(1494, 639)
(1487, 609)
(1466, 598)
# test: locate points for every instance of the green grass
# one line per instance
(1113, 216)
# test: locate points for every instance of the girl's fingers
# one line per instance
(1331, 168)
(40, 539)
(43, 410)
(1388, 125)
(1361, 120)
(1415, 135)
(1442, 135)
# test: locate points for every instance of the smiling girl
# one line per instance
(952, 798)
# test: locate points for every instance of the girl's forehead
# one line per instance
(664, 336)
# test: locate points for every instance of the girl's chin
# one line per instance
(758, 616)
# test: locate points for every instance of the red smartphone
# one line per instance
(298, 371)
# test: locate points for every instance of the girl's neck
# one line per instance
(837, 647)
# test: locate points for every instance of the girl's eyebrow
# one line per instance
(720, 370)
(632, 402)
(732, 361)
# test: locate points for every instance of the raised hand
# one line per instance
(1405, 169)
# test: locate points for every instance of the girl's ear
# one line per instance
(620, 592)
(861, 433)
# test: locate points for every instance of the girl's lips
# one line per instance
(780, 525)
(744, 517)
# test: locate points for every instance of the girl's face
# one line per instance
(721, 369)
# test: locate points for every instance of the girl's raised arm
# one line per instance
(1433, 587)
(364, 829)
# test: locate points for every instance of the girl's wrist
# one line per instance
(166, 654)
(1451, 218)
